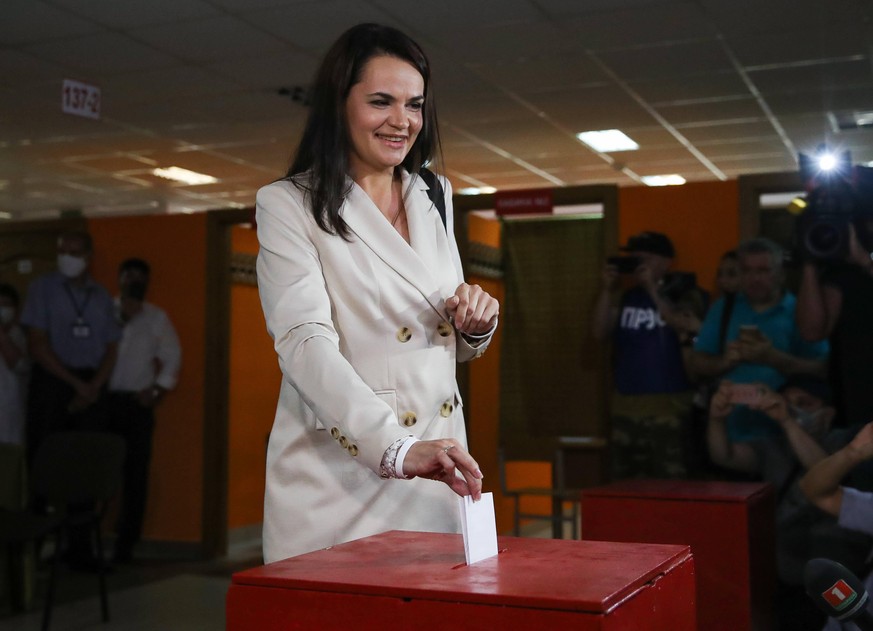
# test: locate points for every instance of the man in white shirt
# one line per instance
(148, 364)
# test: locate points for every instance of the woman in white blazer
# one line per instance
(363, 294)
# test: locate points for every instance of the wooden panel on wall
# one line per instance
(254, 390)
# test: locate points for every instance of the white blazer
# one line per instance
(367, 355)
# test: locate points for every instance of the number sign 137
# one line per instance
(80, 99)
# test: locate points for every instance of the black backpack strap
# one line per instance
(435, 192)
(726, 313)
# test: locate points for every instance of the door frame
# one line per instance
(214, 528)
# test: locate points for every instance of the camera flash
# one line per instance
(827, 162)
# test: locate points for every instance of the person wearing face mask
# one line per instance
(803, 411)
(149, 358)
(72, 339)
(14, 369)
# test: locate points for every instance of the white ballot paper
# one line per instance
(479, 527)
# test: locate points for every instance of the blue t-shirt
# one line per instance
(648, 359)
(777, 323)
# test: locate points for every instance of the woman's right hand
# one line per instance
(439, 460)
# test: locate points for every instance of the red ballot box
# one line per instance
(729, 526)
(403, 580)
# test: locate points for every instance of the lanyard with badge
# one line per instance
(81, 329)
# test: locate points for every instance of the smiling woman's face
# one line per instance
(383, 114)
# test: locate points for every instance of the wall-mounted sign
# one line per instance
(80, 99)
(523, 202)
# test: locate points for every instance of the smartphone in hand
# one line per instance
(749, 332)
(745, 394)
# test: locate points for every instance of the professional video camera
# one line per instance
(838, 195)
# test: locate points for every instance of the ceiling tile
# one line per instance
(670, 90)
(442, 17)
(844, 39)
(844, 100)
(210, 39)
(753, 164)
(625, 25)
(583, 109)
(270, 72)
(248, 5)
(728, 109)
(88, 57)
(482, 106)
(819, 76)
(180, 82)
(21, 70)
(315, 25)
(31, 20)
(589, 8)
(543, 73)
(506, 42)
(129, 15)
(668, 60)
(726, 131)
(775, 16)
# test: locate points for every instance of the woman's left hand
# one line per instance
(473, 310)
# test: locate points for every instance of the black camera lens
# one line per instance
(824, 239)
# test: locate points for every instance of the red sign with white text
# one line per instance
(536, 201)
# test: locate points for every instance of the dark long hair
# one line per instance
(324, 148)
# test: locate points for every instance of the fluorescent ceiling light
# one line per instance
(663, 180)
(482, 190)
(178, 174)
(5, 215)
(607, 140)
(864, 119)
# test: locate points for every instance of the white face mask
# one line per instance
(6, 314)
(71, 266)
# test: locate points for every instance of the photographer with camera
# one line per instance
(834, 239)
(835, 302)
(802, 411)
(652, 397)
(762, 343)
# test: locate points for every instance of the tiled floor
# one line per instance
(156, 595)
(150, 595)
(181, 602)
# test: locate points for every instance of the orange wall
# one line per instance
(702, 219)
(175, 247)
(254, 391)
